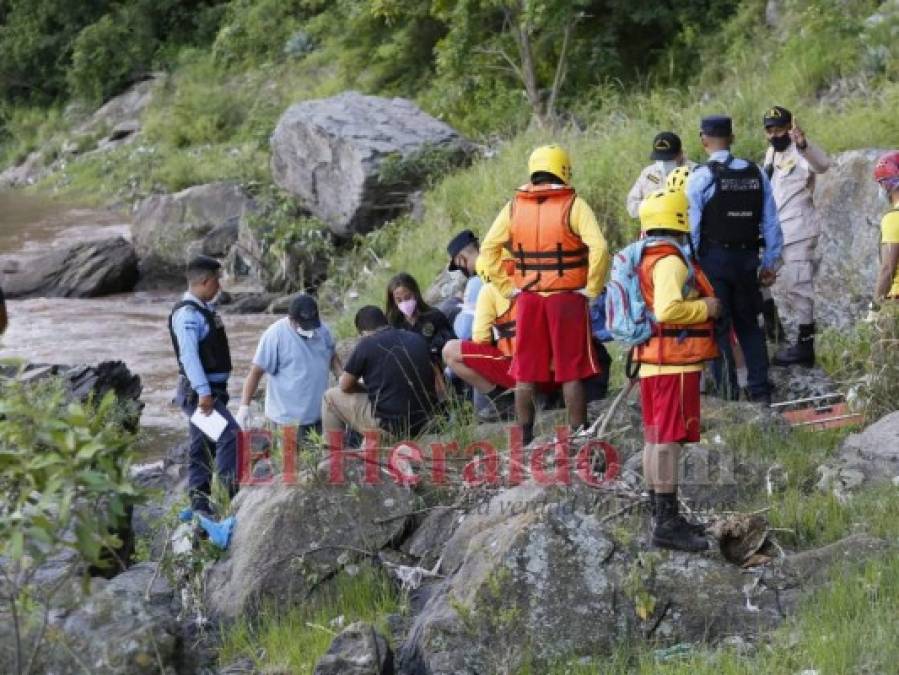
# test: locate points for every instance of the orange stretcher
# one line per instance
(817, 413)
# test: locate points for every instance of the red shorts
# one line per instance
(488, 362)
(670, 408)
(553, 339)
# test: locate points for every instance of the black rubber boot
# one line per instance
(800, 354)
(672, 530)
(774, 329)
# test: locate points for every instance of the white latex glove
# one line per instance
(243, 414)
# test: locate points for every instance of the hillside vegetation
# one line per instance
(629, 70)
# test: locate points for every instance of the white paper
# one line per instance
(212, 425)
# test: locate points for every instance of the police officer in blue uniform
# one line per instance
(736, 233)
(204, 361)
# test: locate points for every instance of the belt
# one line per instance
(734, 245)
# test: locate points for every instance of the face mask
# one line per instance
(666, 166)
(407, 307)
(305, 333)
(780, 143)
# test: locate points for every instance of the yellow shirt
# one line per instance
(491, 304)
(889, 227)
(583, 224)
(669, 305)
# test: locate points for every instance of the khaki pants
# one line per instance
(794, 291)
(340, 410)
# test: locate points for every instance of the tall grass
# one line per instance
(292, 641)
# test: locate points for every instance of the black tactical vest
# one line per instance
(215, 354)
(733, 214)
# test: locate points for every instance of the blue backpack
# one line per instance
(628, 318)
(598, 318)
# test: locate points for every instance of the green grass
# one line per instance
(294, 640)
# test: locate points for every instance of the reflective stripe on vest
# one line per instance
(548, 255)
(675, 344)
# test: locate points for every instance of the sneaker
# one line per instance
(677, 534)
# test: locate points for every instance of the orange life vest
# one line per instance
(675, 344)
(504, 330)
(548, 255)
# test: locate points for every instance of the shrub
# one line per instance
(64, 477)
(110, 54)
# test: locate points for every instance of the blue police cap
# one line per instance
(716, 126)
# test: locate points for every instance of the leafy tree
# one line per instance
(36, 40)
(110, 54)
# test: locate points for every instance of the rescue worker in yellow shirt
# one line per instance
(561, 260)
(485, 360)
(672, 360)
(886, 173)
(667, 154)
(791, 164)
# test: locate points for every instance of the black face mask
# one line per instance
(780, 143)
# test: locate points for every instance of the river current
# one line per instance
(130, 327)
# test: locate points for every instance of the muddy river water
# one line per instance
(130, 327)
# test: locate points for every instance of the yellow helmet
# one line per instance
(665, 210)
(551, 159)
(677, 179)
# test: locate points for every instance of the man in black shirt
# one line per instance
(387, 383)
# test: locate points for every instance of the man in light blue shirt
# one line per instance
(204, 361)
(732, 217)
(296, 353)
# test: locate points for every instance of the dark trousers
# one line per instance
(206, 455)
(734, 275)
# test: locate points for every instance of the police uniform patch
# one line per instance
(427, 330)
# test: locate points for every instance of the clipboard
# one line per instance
(212, 425)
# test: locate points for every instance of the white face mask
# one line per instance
(305, 333)
(666, 166)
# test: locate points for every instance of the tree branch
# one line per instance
(561, 67)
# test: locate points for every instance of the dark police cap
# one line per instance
(777, 117)
(203, 263)
(716, 126)
(304, 310)
(665, 146)
(457, 245)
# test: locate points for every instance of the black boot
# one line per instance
(774, 329)
(672, 530)
(800, 354)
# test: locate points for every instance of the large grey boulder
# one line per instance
(171, 228)
(850, 209)
(869, 456)
(27, 172)
(354, 160)
(121, 113)
(358, 650)
(535, 575)
(84, 270)
(289, 539)
(124, 625)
